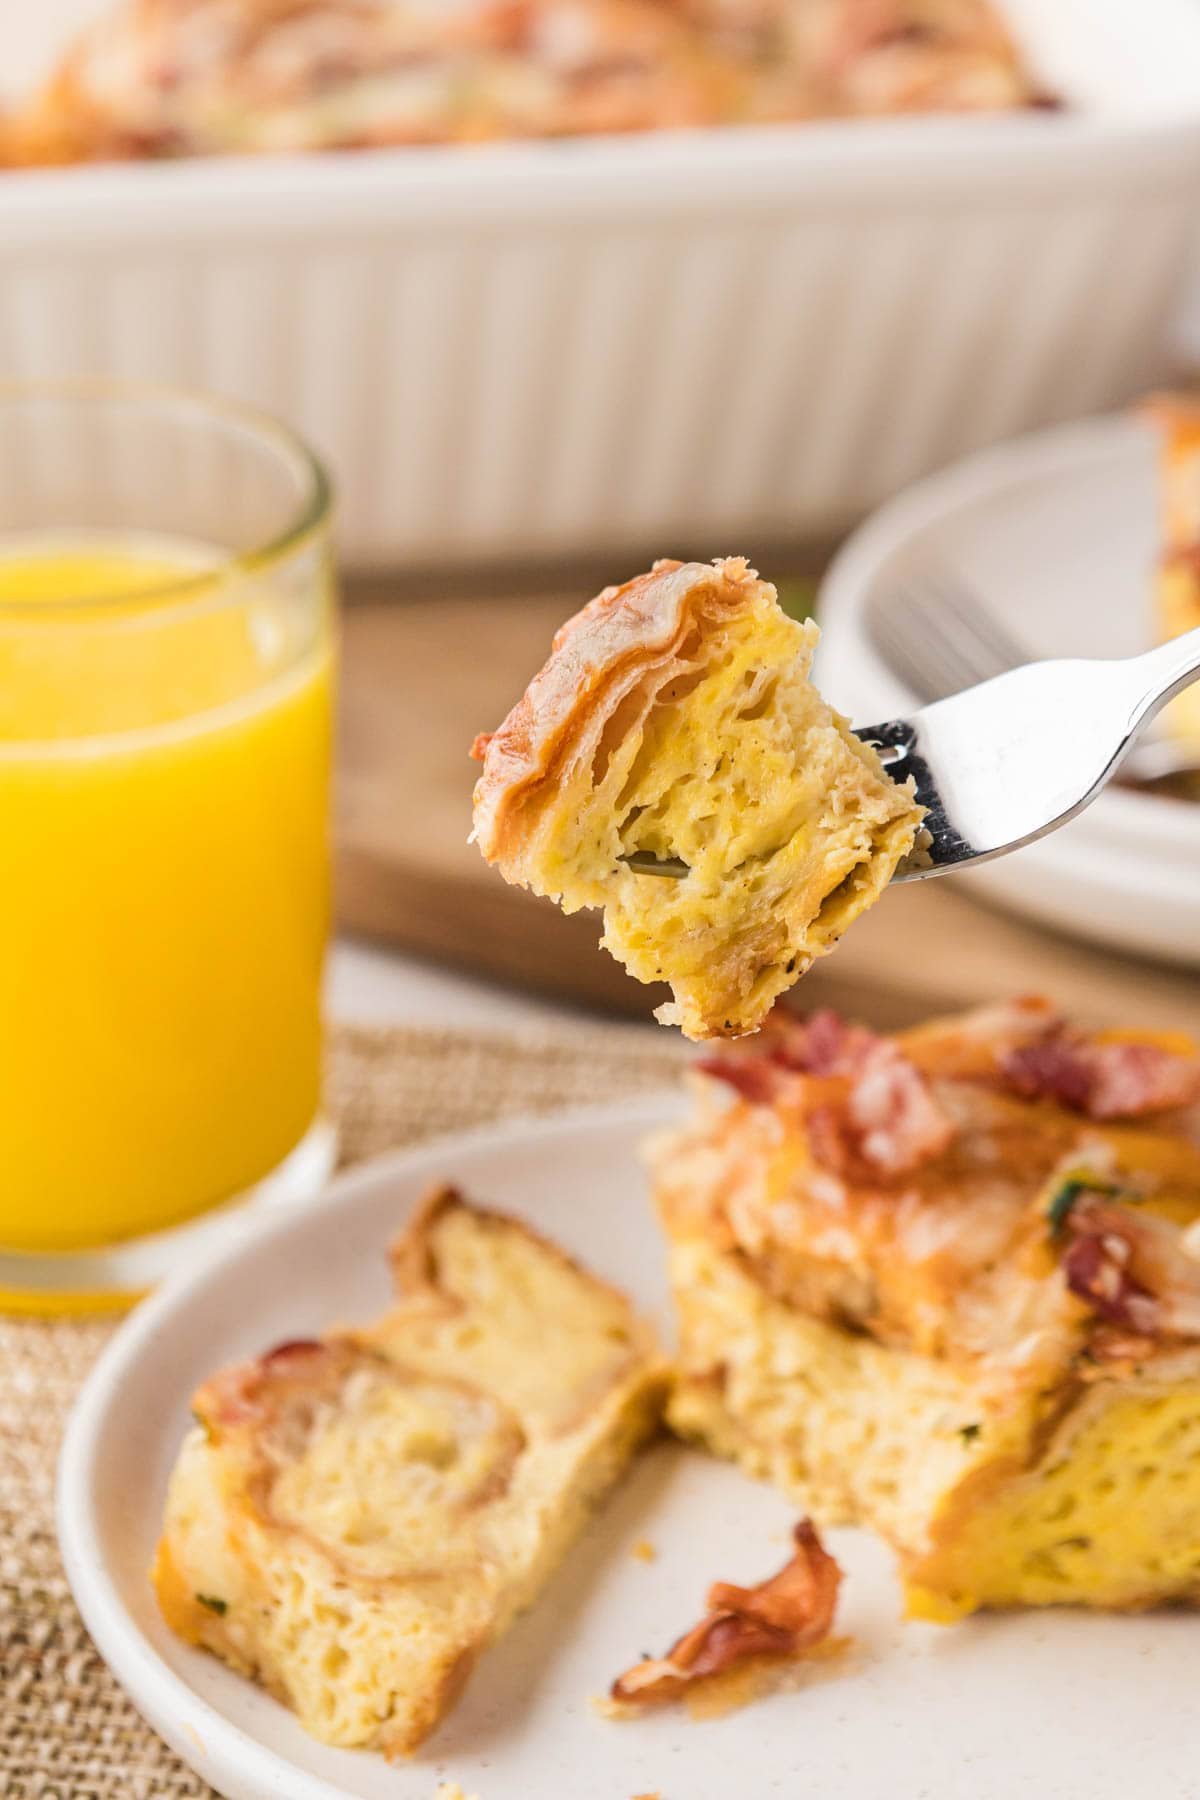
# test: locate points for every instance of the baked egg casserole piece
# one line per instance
(354, 1519)
(675, 721)
(1177, 584)
(947, 1285)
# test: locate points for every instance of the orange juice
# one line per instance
(164, 758)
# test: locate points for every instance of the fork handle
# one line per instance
(1165, 672)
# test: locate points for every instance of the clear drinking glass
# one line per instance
(166, 679)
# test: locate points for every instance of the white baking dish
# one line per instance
(703, 340)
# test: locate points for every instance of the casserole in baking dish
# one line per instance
(802, 318)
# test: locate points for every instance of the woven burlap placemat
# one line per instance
(67, 1732)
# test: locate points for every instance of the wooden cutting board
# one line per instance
(423, 674)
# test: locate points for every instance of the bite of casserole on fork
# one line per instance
(675, 728)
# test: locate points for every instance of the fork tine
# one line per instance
(901, 643)
(952, 613)
(938, 637)
(993, 648)
(908, 631)
(945, 620)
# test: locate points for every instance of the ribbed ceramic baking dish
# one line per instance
(705, 341)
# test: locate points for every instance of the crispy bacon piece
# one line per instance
(1097, 1270)
(1052, 1068)
(239, 1395)
(1102, 1080)
(1140, 1078)
(822, 1044)
(782, 1618)
(889, 1123)
(896, 1121)
(1132, 1268)
(885, 1121)
(755, 1078)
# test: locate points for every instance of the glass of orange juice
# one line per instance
(166, 659)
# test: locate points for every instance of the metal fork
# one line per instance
(1013, 758)
(939, 638)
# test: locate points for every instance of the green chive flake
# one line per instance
(1067, 1193)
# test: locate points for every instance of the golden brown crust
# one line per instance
(637, 625)
(180, 1607)
(416, 1262)
(412, 1255)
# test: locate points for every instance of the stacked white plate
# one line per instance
(1057, 535)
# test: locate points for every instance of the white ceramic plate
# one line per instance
(1080, 1708)
(1057, 534)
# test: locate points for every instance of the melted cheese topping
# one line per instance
(951, 1258)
